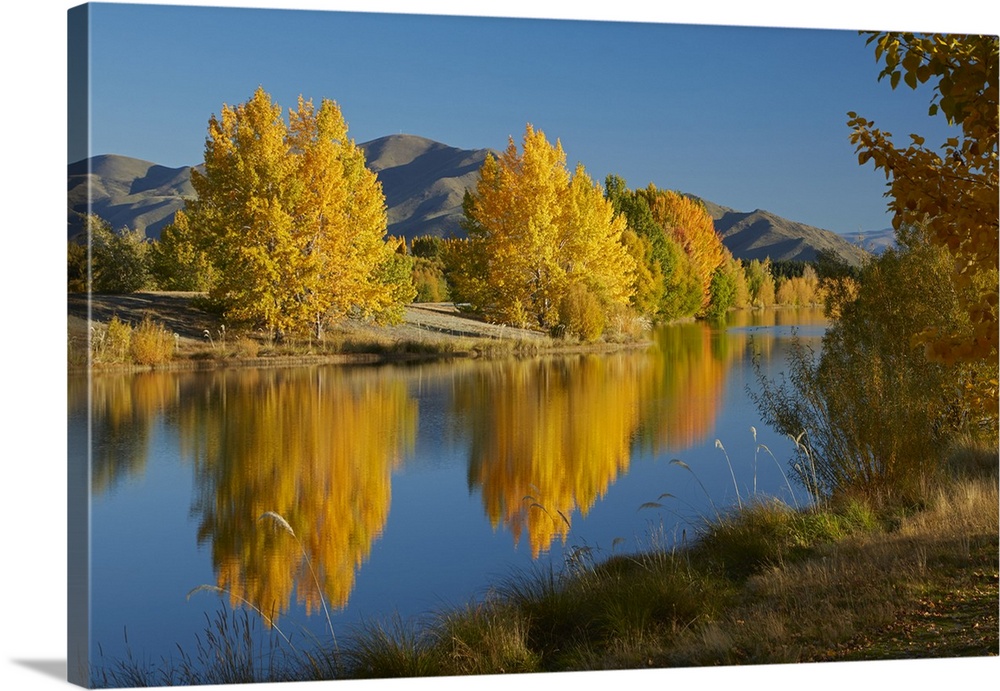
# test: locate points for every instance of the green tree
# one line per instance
(118, 258)
(830, 265)
(176, 262)
(682, 296)
(427, 247)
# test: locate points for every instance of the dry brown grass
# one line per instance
(151, 343)
(246, 347)
(918, 585)
(845, 602)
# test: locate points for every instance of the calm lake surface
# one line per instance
(409, 488)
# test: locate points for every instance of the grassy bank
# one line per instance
(846, 580)
(763, 585)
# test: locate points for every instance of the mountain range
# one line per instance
(424, 182)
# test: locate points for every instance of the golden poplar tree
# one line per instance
(649, 280)
(535, 233)
(595, 253)
(513, 224)
(293, 221)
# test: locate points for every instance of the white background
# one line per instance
(33, 331)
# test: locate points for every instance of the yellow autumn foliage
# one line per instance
(292, 220)
(535, 231)
(314, 446)
(952, 191)
(686, 221)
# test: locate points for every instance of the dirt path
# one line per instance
(444, 319)
(433, 322)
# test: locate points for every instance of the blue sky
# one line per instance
(747, 117)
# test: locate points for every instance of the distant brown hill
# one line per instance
(127, 192)
(760, 234)
(424, 182)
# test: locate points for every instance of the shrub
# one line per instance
(623, 324)
(487, 638)
(581, 314)
(115, 343)
(872, 413)
(119, 263)
(246, 347)
(389, 649)
(151, 344)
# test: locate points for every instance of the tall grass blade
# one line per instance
(280, 521)
(718, 445)
(678, 462)
(780, 470)
(258, 610)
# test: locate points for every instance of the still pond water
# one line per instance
(409, 488)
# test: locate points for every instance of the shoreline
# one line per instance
(344, 359)
(430, 332)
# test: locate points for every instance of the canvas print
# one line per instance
(425, 345)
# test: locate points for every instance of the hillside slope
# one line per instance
(424, 183)
(760, 234)
(126, 192)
